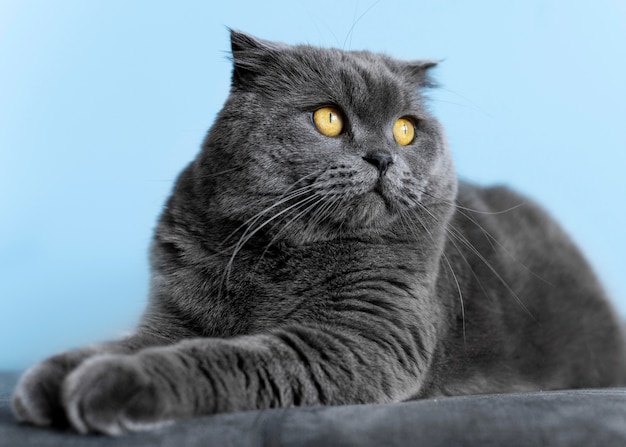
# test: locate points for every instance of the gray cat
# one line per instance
(320, 250)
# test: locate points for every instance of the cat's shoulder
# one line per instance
(502, 208)
(494, 198)
(481, 197)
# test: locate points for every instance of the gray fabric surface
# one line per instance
(564, 418)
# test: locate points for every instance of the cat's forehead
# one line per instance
(306, 76)
(356, 79)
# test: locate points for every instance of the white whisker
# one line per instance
(416, 233)
(251, 231)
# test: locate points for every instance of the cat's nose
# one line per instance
(380, 161)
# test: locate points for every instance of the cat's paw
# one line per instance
(37, 396)
(113, 394)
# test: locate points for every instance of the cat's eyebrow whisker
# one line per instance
(204, 176)
(470, 104)
(355, 22)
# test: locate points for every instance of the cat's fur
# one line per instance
(287, 270)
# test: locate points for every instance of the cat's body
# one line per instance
(294, 265)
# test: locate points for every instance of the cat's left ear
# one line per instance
(420, 72)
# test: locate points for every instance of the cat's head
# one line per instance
(323, 141)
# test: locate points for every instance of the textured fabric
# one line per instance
(564, 418)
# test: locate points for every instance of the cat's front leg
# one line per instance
(297, 366)
(37, 398)
(115, 394)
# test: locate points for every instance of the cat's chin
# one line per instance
(368, 211)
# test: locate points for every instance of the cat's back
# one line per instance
(501, 222)
(527, 297)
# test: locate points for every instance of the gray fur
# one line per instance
(288, 271)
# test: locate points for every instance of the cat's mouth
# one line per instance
(365, 202)
(372, 208)
(379, 191)
(385, 189)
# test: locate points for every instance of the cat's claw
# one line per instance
(112, 394)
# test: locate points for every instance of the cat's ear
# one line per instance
(250, 56)
(420, 72)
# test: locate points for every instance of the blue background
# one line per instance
(103, 102)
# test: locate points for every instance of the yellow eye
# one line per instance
(404, 131)
(328, 121)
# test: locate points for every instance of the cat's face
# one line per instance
(325, 140)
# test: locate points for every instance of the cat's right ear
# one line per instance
(251, 56)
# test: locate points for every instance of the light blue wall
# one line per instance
(103, 102)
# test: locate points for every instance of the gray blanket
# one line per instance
(564, 418)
